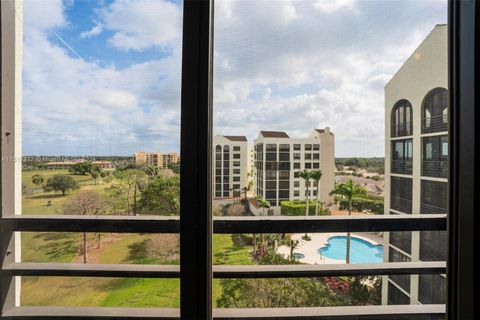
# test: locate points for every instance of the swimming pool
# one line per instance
(361, 251)
(298, 255)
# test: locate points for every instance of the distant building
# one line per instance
(156, 159)
(416, 167)
(65, 165)
(230, 165)
(170, 158)
(279, 160)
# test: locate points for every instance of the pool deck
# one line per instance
(319, 240)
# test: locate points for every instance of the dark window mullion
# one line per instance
(195, 191)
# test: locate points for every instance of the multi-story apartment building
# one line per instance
(230, 154)
(170, 158)
(279, 160)
(416, 166)
(157, 159)
(148, 158)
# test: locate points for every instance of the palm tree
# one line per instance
(348, 190)
(37, 180)
(306, 175)
(316, 176)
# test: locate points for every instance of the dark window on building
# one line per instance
(283, 175)
(236, 171)
(432, 289)
(316, 156)
(316, 147)
(433, 245)
(402, 280)
(402, 119)
(396, 296)
(236, 178)
(296, 156)
(270, 147)
(435, 111)
(308, 165)
(297, 147)
(308, 147)
(296, 184)
(434, 197)
(402, 240)
(283, 194)
(401, 194)
(283, 185)
(296, 193)
(316, 165)
(284, 156)
(296, 165)
(402, 156)
(308, 156)
(236, 148)
(271, 185)
(236, 156)
(435, 156)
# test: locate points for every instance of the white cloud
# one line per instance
(142, 24)
(327, 68)
(333, 5)
(43, 15)
(286, 65)
(95, 31)
(72, 106)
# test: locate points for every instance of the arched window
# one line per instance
(402, 119)
(435, 111)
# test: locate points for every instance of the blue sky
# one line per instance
(103, 77)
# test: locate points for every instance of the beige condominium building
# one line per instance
(279, 159)
(170, 158)
(157, 159)
(416, 167)
(230, 166)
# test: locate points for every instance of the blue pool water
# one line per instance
(361, 251)
(298, 255)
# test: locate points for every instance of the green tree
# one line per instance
(316, 175)
(37, 180)
(305, 175)
(60, 182)
(277, 293)
(161, 196)
(130, 181)
(95, 176)
(83, 168)
(348, 190)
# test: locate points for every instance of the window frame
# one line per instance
(196, 221)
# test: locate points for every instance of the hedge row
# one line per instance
(297, 208)
(363, 204)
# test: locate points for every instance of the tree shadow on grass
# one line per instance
(58, 245)
(46, 196)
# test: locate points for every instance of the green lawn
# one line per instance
(65, 247)
(36, 203)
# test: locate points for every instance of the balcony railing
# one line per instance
(226, 225)
(402, 166)
(401, 204)
(438, 169)
(437, 123)
(402, 129)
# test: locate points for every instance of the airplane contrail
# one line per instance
(66, 44)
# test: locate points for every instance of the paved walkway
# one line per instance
(318, 240)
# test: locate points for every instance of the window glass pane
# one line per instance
(327, 86)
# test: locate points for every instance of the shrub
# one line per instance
(297, 208)
(363, 204)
